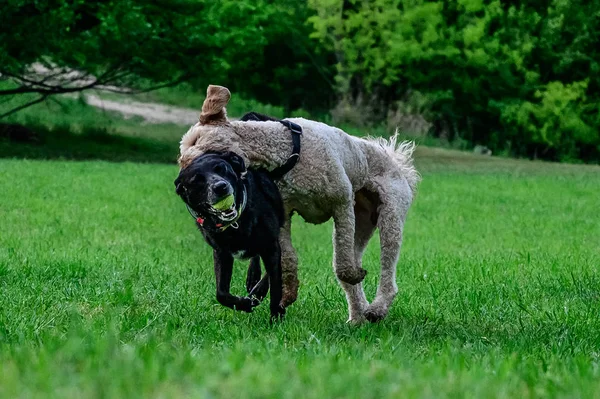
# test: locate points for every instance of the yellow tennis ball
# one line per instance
(225, 203)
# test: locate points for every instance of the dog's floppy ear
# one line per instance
(237, 162)
(213, 109)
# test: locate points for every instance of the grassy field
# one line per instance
(107, 288)
(107, 291)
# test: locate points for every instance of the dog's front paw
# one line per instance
(376, 312)
(246, 304)
(352, 276)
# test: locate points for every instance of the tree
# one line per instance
(518, 76)
(60, 46)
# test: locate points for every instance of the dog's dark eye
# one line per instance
(220, 168)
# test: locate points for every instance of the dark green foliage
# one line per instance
(260, 49)
(521, 77)
(129, 36)
(276, 62)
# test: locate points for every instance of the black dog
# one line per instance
(246, 225)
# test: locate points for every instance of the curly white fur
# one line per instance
(402, 154)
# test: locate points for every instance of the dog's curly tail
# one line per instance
(401, 152)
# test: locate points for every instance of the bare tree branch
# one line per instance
(29, 82)
(26, 105)
(45, 81)
(127, 90)
(100, 84)
(63, 81)
(46, 91)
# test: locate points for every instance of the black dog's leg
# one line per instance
(272, 261)
(223, 270)
(256, 286)
(253, 276)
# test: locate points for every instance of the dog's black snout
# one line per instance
(220, 188)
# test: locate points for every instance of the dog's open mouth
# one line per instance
(224, 215)
(227, 214)
(224, 208)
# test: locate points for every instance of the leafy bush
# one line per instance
(554, 121)
(521, 77)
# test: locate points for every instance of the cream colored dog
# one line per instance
(363, 184)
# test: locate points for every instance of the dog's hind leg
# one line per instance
(395, 200)
(365, 226)
(289, 264)
(344, 262)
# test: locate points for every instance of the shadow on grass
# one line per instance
(60, 142)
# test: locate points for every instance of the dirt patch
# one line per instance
(150, 112)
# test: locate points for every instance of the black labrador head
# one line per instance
(210, 183)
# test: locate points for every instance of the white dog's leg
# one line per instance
(357, 302)
(344, 263)
(392, 214)
(289, 265)
(355, 295)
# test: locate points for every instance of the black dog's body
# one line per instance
(253, 234)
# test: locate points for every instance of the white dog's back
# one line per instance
(364, 157)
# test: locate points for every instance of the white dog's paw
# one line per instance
(376, 312)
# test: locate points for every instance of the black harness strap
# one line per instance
(296, 130)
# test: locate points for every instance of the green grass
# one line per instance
(107, 291)
(72, 114)
(67, 128)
